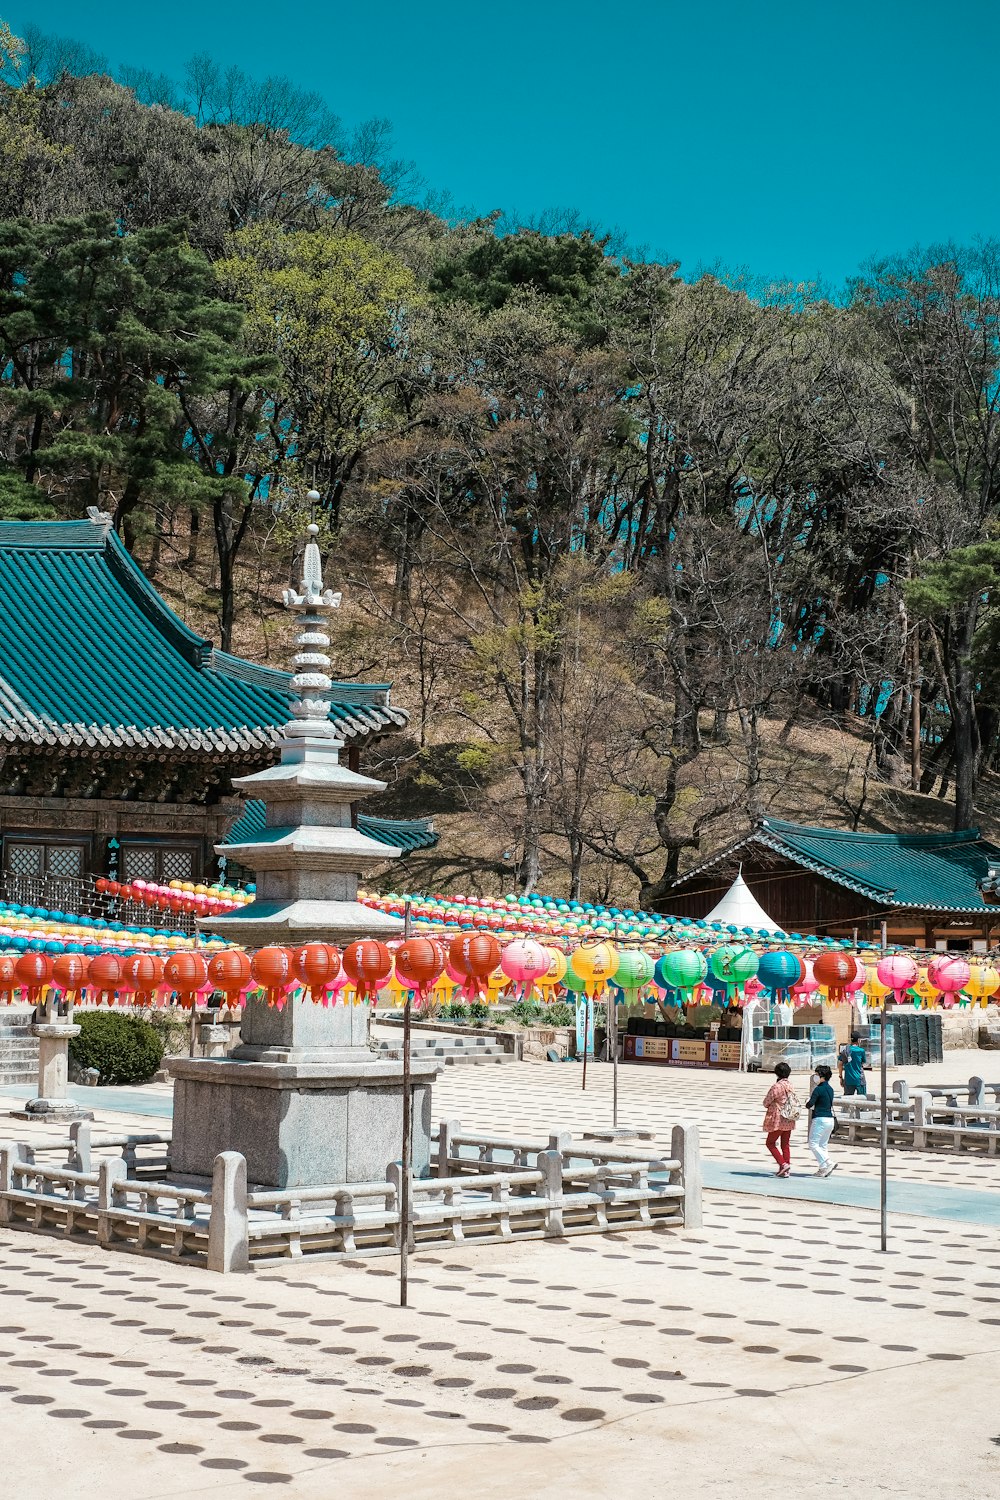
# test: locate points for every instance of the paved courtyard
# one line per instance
(776, 1349)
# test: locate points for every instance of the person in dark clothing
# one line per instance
(852, 1067)
(820, 1102)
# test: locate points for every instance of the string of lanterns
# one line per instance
(478, 966)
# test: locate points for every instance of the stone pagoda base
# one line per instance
(303, 1099)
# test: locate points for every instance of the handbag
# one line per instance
(789, 1108)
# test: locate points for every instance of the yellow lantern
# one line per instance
(923, 989)
(982, 982)
(873, 987)
(595, 964)
(554, 974)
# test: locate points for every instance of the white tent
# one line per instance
(740, 908)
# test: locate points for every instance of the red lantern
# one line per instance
(186, 973)
(230, 972)
(69, 974)
(34, 972)
(104, 974)
(143, 975)
(835, 971)
(419, 962)
(474, 955)
(272, 970)
(8, 976)
(316, 966)
(368, 963)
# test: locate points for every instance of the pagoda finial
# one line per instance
(311, 683)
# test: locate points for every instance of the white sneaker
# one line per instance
(831, 1168)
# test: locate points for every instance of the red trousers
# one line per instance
(779, 1143)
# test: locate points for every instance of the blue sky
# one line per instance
(794, 141)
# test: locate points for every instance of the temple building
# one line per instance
(932, 890)
(121, 728)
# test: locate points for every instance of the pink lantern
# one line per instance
(860, 976)
(523, 961)
(897, 971)
(807, 985)
(752, 987)
(948, 974)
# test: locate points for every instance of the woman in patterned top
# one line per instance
(778, 1127)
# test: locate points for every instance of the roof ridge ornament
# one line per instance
(102, 518)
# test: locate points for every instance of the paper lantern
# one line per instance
(143, 972)
(948, 974)
(982, 981)
(104, 974)
(186, 973)
(315, 966)
(523, 961)
(595, 963)
(875, 989)
(634, 971)
(897, 971)
(33, 972)
(836, 972)
(474, 956)
(69, 975)
(554, 974)
(778, 970)
(230, 972)
(419, 964)
(733, 966)
(681, 969)
(271, 969)
(368, 964)
(8, 976)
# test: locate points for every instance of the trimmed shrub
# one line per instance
(123, 1049)
(456, 1012)
(479, 1011)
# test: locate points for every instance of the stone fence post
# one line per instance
(977, 1091)
(550, 1164)
(79, 1148)
(685, 1147)
(448, 1132)
(12, 1154)
(229, 1219)
(901, 1089)
(921, 1119)
(110, 1174)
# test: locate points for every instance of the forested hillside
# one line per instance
(646, 556)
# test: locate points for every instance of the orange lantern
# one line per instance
(69, 975)
(230, 972)
(474, 955)
(186, 973)
(272, 970)
(143, 975)
(368, 963)
(8, 976)
(103, 977)
(316, 966)
(419, 962)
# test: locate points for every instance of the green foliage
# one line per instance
(479, 1011)
(559, 1014)
(568, 270)
(123, 1048)
(525, 1012)
(456, 1012)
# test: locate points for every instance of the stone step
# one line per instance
(450, 1052)
(19, 1075)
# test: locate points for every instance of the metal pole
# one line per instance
(404, 1199)
(586, 1036)
(613, 1041)
(884, 1123)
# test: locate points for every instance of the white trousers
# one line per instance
(820, 1132)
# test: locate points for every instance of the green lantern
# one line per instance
(733, 966)
(683, 968)
(635, 969)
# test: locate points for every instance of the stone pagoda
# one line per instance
(303, 1098)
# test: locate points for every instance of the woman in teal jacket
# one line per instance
(852, 1067)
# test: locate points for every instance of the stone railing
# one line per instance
(922, 1121)
(551, 1190)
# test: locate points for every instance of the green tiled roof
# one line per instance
(399, 833)
(924, 871)
(90, 655)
